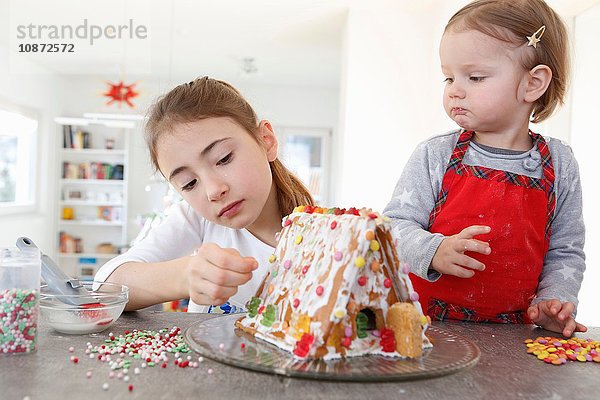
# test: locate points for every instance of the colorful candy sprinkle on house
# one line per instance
(336, 288)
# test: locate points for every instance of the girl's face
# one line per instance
(485, 83)
(220, 169)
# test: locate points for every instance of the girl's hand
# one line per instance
(555, 316)
(215, 273)
(450, 256)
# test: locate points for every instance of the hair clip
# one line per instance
(536, 37)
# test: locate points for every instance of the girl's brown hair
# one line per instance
(512, 21)
(209, 98)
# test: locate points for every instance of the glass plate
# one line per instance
(218, 339)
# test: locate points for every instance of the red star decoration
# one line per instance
(121, 93)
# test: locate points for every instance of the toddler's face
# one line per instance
(484, 83)
(218, 168)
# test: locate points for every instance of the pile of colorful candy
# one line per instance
(18, 320)
(558, 351)
(140, 349)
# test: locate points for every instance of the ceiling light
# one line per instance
(249, 66)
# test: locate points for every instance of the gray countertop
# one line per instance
(504, 371)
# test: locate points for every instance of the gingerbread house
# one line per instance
(336, 288)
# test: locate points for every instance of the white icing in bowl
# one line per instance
(71, 319)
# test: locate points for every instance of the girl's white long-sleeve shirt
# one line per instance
(180, 234)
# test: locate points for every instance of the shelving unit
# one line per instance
(92, 191)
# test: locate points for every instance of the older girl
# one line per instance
(212, 248)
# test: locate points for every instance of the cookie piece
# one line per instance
(405, 321)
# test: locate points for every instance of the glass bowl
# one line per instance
(64, 317)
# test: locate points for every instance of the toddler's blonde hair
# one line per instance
(512, 21)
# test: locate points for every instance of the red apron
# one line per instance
(519, 210)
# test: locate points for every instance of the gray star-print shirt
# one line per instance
(421, 181)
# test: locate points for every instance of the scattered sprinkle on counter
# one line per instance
(139, 349)
(558, 351)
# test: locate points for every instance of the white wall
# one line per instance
(294, 106)
(586, 142)
(392, 97)
(41, 94)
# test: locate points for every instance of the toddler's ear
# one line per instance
(538, 80)
(269, 139)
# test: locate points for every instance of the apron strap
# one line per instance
(547, 179)
(454, 164)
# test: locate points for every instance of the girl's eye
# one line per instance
(189, 186)
(448, 80)
(226, 159)
(477, 78)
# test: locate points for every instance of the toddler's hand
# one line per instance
(215, 273)
(555, 316)
(450, 256)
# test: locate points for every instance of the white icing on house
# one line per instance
(327, 267)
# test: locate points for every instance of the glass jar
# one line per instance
(19, 300)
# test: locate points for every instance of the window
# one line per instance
(17, 161)
(305, 151)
